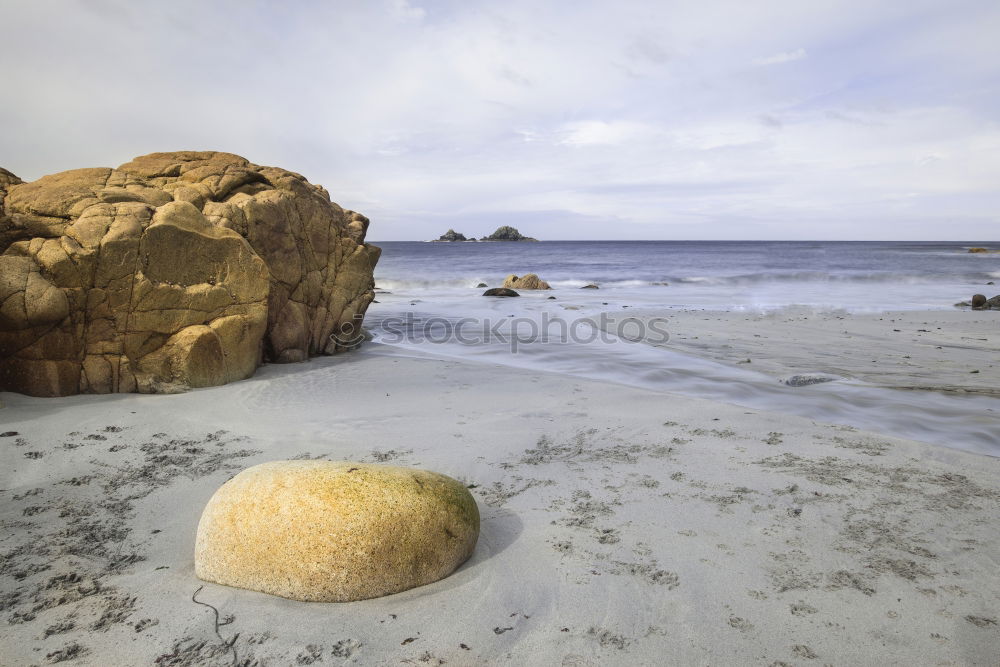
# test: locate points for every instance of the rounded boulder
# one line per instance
(329, 531)
(500, 291)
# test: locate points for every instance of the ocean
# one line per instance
(709, 274)
(429, 305)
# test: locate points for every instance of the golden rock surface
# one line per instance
(527, 281)
(175, 270)
(325, 531)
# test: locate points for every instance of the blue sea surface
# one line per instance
(717, 274)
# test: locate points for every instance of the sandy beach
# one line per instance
(620, 526)
(520, 334)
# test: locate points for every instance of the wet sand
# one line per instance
(955, 351)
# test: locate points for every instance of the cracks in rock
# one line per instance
(296, 220)
(117, 380)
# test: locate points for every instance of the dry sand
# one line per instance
(621, 526)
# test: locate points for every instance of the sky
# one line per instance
(804, 119)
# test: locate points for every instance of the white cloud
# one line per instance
(650, 118)
(781, 58)
(602, 133)
(403, 10)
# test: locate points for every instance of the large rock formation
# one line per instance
(174, 270)
(334, 531)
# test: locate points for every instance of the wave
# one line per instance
(393, 284)
(823, 276)
(605, 283)
(402, 285)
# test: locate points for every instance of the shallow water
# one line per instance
(434, 309)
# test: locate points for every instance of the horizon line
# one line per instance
(965, 241)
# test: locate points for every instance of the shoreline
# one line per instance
(961, 419)
(948, 351)
(620, 525)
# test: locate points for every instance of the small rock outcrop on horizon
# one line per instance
(175, 270)
(528, 281)
(360, 530)
(507, 233)
(452, 235)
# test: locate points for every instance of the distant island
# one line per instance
(504, 233)
(452, 235)
(507, 233)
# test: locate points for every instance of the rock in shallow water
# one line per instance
(806, 380)
(327, 531)
(529, 281)
(500, 291)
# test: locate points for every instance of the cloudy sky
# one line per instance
(803, 119)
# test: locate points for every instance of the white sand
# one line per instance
(621, 526)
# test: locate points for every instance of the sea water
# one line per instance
(429, 304)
